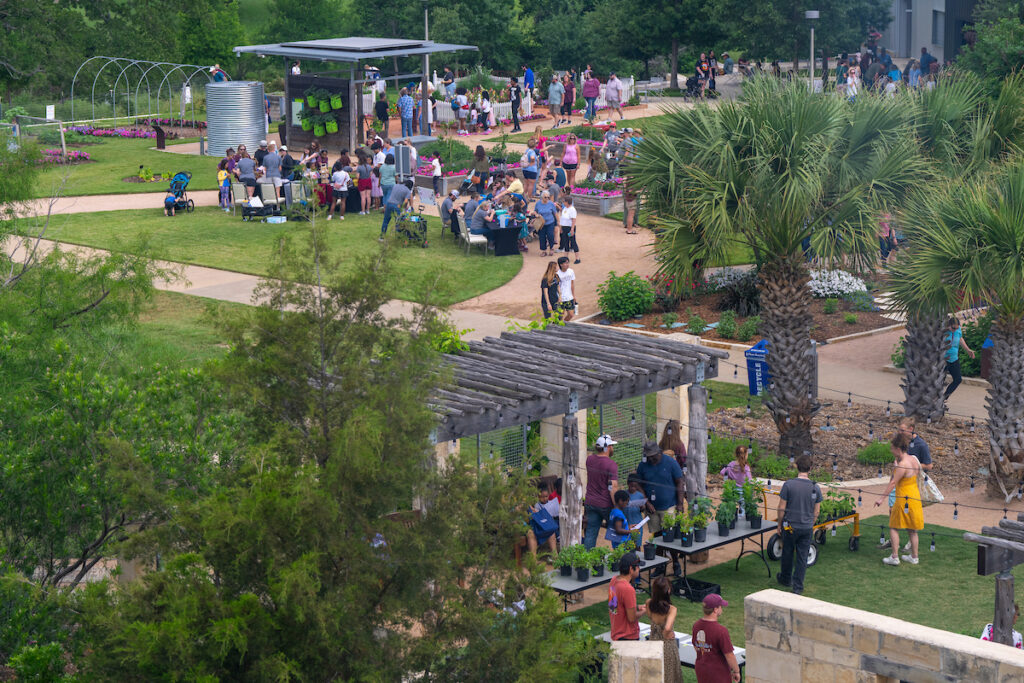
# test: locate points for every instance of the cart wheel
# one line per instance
(819, 536)
(812, 555)
(190, 206)
(774, 548)
(854, 543)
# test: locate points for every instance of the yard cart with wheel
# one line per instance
(821, 532)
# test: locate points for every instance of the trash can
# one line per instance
(757, 368)
(986, 357)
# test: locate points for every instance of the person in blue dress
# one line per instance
(954, 341)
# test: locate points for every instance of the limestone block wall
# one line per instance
(795, 638)
(636, 661)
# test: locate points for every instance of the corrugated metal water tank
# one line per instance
(235, 115)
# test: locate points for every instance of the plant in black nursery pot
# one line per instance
(564, 561)
(685, 528)
(731, 496)
(753, 495)
(597, 559)
(700, 512)
(668, 526)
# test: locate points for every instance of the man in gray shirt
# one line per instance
(556, 91)
(799, 504)
(469, 208)
(401, 195)
(448, 208)
(272, 166)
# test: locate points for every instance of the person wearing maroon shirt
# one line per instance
(602, 478)
(716, 662)
(623, 612)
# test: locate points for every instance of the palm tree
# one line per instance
(969, 251)
(961, 133)
(779, 166)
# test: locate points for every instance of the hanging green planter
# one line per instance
(311, 101)
(336, 101)
(325, 106)
(332, 126)
(307, 124)
(319, 130)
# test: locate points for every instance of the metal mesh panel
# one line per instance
(625, 421)
(507, 444)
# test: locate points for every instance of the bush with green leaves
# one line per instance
(773, 466)
(861, 302)
(727, 325)
(875, 453)
(739, 290)
(623, 296)
(850, 318)
(587, 132)
(748, 329)
(831, 306)
(696, 324)
(898, 357)
(455, 155)
(669, 319)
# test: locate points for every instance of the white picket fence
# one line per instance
(503, 110)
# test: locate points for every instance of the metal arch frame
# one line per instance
(186, 80)
(144, 66)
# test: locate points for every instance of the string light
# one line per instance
(835, 463)
(787, 419)
(859, 500)
(929, 419)
(956, 446)
(972, 423)
(748, 407)
(881, 537)
(632, 420)
(956, 513)
(849, 399)
(808, 393)
(932, 546)
(871, 432)
(906, 505)
(888, 408)
(492, 446)
(833, 529)
(711, 399)
(879, 470)
(1004, 513)
(972, 483)
(828, 421)
(736, 372)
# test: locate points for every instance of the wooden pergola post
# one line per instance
(571, 513)
(1000, 549)
(697, 446)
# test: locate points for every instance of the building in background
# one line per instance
(935, 24)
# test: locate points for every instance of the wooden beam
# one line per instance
(627, 338)
(625, 356)
(1006, 534)
(996, 542)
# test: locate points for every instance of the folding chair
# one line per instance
(239, 197)
(470, 239)
(268, 193)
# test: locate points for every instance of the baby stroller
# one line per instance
(413, 226)
(693, 87)
(179, 187)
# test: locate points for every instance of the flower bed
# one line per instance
(604, 190)
(834, 283)
(112, 132)
(74, 156)
(426, 170)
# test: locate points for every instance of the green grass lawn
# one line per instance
(210, 237)
(944, 591)
(114, 159)
(180, 330)
(645, 124)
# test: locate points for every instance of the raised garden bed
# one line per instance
(824, 326)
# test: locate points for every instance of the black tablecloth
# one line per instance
(506, 241)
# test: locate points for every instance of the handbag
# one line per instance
(929, 492)
(543, 524)
(475, 179)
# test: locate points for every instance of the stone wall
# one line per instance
(795, 638)
(637, 661)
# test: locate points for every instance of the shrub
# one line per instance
(669, 319)
(875, 453)
(826, 283)
(861, 302)
(772, 466)
(665, 295)
(739, 291)
(696, 324)
(454, 154)
(624, 296)
(587, 132)
(480, 78)
(899, 353)
(831, 305)
(721, 451)
(633, 101)
(850, 318)
(727, 325)
(748, 329)
(975, 332)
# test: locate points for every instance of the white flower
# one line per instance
(834, 283)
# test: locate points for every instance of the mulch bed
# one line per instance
(137, 179)
(823, 328)
(851, 435)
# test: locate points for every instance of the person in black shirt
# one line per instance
(287, 163)
(380, 109)
(515, 94)
(260, 153)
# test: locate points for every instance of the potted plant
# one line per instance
(668, 527)
(616, 555)
(331, 123)
(323, 100)
(336, 101)
(685, 527)
(310, 94)
(725, 515)
(753, 495)
(700, 512)
(563, 562)
(731, 496)
(581, 563)
(319, 126)
(597, 559)
(306, 118)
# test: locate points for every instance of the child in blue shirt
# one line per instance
(618, 527)
(637, 502)
(169, 201)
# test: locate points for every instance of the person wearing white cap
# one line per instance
(448, 208)
(260, 153)
(715, 659)
(602, 480)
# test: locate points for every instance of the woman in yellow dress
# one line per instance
(906, 513)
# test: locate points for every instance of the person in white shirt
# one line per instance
(567, 222)
(486, 111)
(566, 289)
(1018, 641)
(435, 165)
(853, 82)
(296, 71)
(340, 180)
(463, 110)
(613, 94)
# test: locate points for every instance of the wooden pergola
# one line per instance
(558, 371)
(1000, 549)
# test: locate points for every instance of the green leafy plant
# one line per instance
(730, 496)
(669, 319)
(670, 519)
(727, 325)
(564, 557)
(748, 329)
(598, 555)
(753, 496)
(861, 301)
(831, 306)
(684, 523)
(623, 296)
(696, 325)
(700, 512)
(39, 663)
(633, 101)
(587, 133)
(726, 512)
(898, 357)
(449, 339)
(11, 112)
(773, 466)
(850, 318)
(876, 453)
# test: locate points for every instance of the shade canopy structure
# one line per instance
(531, 375)
(351, 50)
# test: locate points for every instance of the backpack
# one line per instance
(455, 104)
